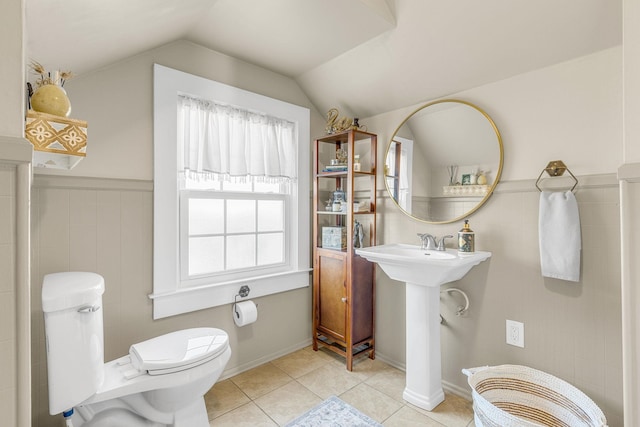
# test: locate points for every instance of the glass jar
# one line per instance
(339, 200)
(356, 163)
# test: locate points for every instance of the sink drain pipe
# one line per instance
(461, 309)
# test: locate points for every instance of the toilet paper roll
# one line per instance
(245, 313)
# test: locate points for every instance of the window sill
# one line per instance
(197, 298)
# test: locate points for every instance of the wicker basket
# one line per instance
(518, 396)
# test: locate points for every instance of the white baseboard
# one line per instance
(391, 362)
(230, 372)
(465, 393)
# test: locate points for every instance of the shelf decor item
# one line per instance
(50, 96)
(335, 123)
(334, 238)
(51, 99)
(453, 172)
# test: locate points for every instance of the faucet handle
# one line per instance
(441, 246)
(428, 241)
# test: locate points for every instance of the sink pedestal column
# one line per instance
(423, 272)
(424, 373)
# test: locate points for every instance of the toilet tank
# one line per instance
(72, 306)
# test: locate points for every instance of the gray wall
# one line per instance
(571, 330)
(14, 252)
(8, 294)
(99, 216)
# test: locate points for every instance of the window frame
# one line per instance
(197, 280)
(169, 297)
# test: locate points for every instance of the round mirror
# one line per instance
(443, 161)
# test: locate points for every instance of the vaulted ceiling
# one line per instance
(363, 56)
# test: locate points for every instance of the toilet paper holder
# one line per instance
(243, 293)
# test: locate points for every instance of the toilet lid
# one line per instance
(178, 350)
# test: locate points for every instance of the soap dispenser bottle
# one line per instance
(466, 239)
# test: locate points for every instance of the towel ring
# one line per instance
(556, 168)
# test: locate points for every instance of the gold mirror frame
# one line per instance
(491, 187)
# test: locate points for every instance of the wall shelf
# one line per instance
(465, 190)
(58, 142)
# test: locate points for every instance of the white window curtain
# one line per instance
(221, 142)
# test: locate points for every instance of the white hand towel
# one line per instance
(559, 232)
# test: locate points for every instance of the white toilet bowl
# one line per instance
(161, 382)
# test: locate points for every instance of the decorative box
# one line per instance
(58, 142)
(334, 237)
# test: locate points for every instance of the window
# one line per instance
(226, 232)
(400, 161)
(232, 210)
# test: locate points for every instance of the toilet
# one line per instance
(161, 382)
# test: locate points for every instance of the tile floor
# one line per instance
(277, 392)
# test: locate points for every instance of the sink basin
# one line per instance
(423, 271)
(401, 251)
(409, 263)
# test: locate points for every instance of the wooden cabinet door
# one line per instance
(331, 274)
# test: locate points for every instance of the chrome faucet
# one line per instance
(428, 241)
(431, 243)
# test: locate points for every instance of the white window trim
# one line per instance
(270, 269)
(168, 297)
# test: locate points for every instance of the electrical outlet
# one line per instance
(515, 333)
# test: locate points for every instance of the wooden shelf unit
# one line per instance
(343, 282)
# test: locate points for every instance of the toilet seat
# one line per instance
(120, 379)
(178, 351)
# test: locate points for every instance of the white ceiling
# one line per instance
(363, 56)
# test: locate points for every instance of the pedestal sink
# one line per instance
(423, 272)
